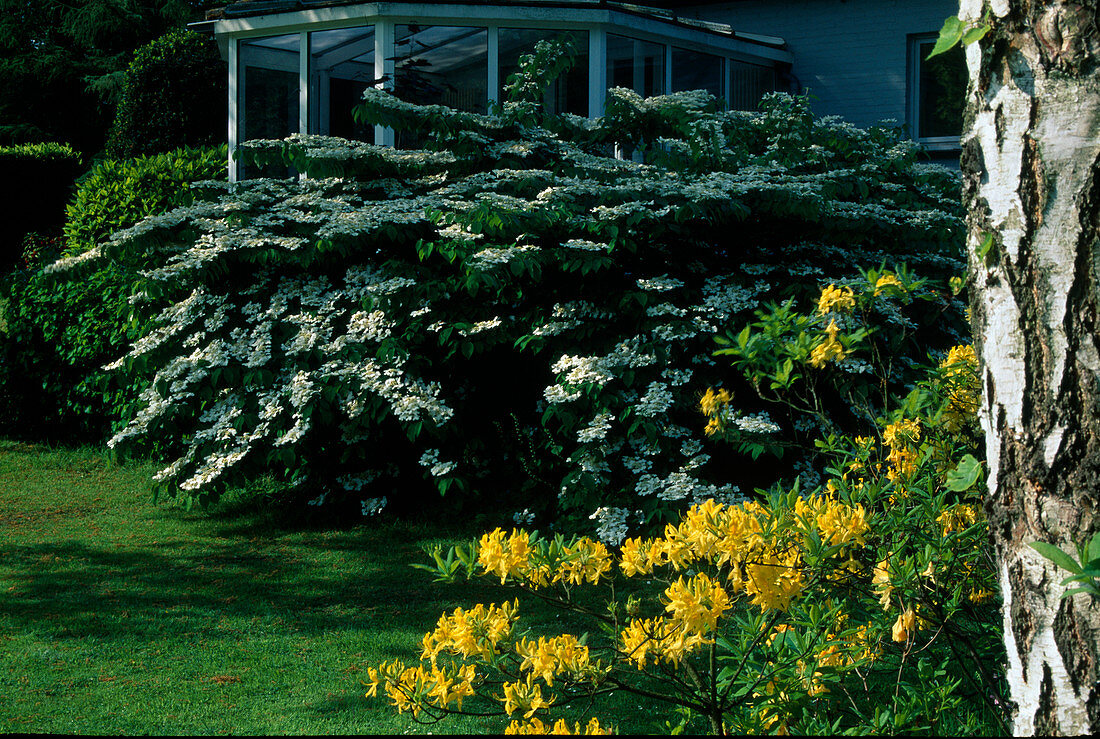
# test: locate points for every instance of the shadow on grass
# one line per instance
(326, 583)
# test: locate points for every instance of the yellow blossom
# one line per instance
(881, 580)
(905, 627)
(477, 631)
(888, 282)
(712, 402)
(585, 560)
(773, 578)
(836, 299)
(633, 559)
(697, 604)
(560, 727)
(830, 349)
(958, 517)
(904, 432)
(525, 696)
(547, 658)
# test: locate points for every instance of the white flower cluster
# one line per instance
(430, 459)
(372, 506)
(480, 326)
(524, 517)
(492, 256)
(657, 399)
(757, 423)
(661, 284)
(612, 528)
(596, 430)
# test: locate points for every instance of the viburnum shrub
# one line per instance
(860, 606)
(511, 314)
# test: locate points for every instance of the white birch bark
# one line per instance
(1031, 165)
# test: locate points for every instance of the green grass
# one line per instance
(119, 616)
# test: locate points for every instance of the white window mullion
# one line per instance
(597, 71)
(236, 110)
(303, 82)
(495, 95)
(668, 70)
(384, 69)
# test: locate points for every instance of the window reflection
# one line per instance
(269, 82)
(341, 67)
(637, 65)
(694, 70)
(568, 93)
(749, 83)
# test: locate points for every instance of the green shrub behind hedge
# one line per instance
(57, 331)
(118, 193)
(173, 95)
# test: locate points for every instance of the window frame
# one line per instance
(915, 60)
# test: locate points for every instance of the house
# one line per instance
(300, 65)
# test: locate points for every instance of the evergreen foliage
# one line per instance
(173, 95)
(61, 62)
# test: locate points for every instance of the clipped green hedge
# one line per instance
(173, 95)
(118, 193)
(36, 180)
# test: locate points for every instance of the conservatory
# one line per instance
(301, 65)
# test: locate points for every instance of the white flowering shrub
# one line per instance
(512, 316)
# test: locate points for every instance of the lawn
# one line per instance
(118, 615)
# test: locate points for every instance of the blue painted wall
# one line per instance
(850, 54)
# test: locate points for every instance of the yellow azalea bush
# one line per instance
(856, 606)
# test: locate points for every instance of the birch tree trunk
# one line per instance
(1031, 168)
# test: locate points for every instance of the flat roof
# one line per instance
(252, 8)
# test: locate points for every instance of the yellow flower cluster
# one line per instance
(585, 560)
(838, 299)
(560, 727)
(524, 695)
(960, 376)
(745, 540)
(513, 556)
(838, 522)
(659, 637)
(830, 349)
(712, 405)
(411, 688)
(901, 437)
(506, 555)
(888, 283)
(547, 658)
(698, 603)
(906, 627)
(958, 517)
(478, 631)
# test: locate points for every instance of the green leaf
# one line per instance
(1094, 548)
(975, 34)
(951, 34)
(1056, 555)
(964, 475)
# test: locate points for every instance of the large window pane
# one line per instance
(341, 67)
(269, 81)
(748, 83)
(442, 65)
(270, 70)
(694, 70)
(567, 94)
(637, 65)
